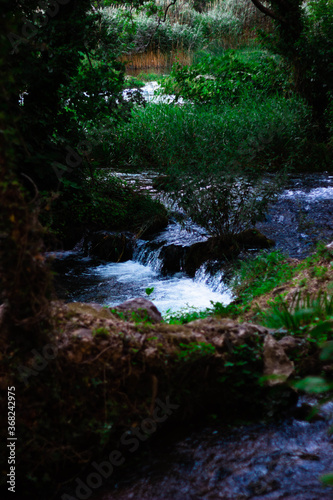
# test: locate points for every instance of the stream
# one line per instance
(301, 217)
(281, 460)
(261, 461)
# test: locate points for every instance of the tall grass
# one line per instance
(187, 138)
(156, 59)
(260, 275)
(217, 158)
(304, 314)
(225, 24)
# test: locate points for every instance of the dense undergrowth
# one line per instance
(106, 203)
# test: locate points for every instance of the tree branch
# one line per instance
(268, 12)
(160, 20)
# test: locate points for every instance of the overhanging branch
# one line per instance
(267, 11)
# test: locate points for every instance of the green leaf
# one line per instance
(149, 291)
(327, 479)
(323, 327)
(313, 385)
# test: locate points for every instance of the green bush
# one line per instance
(229, 78)
(101, 204)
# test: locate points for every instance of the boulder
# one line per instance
(276, 362)
(172, 257)
(220, 248)
(176, 258)
(289, 343)
(252, 238)
(153, 225)
(109, 245)
(196, 255)
(144, 308)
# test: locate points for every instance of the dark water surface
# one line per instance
(258, 461)
(302, 216)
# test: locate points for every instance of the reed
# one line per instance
(224, 24)
(157, 59)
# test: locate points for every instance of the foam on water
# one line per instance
(317, 194)
(177, 292)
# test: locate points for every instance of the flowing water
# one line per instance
(282, 460)
(302, 216)
(260, 461)
(86, 279)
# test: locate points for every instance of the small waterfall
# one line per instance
(212, 275)
(148, 254)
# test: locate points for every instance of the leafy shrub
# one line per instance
(227, 203)
(229, 78)
(102, 204)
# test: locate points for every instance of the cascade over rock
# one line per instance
(177, 258)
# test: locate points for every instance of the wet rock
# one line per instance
(276, 362)
(177, 258)
(153, 225)
(289, 343)
(172, 257)
(141, 307)
(109, 245)
(252, 238)
(196, 255)
(220, 248)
